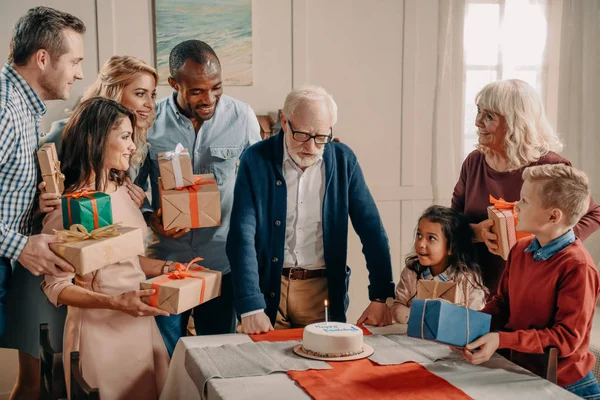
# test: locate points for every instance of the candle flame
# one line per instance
(326, 303)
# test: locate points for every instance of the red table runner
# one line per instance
(363, 379)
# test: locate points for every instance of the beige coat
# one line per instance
(406, 290)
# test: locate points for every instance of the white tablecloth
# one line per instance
(496, 379)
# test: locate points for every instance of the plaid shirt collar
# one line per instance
(30, 97)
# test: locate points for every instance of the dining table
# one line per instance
(451, 377)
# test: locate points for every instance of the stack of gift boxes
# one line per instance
(91, 240)
(187, 201)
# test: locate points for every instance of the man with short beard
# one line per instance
(46, 51)
(215, 129)
(288, 236)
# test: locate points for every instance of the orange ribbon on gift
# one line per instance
(88, 195)
(501, 204)
(181, 272)
(193, 192)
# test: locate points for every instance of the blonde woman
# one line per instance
(132, 83)
(514, 134)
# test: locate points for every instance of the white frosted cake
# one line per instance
(332, 339)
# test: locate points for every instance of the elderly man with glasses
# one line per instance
(288, 237)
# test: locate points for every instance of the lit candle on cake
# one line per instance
(326, 316)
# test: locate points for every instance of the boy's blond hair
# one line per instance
(562, 187)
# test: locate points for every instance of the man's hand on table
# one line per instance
(487, 344)
(256, 323)
(376, 314)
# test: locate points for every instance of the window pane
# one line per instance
(474, 81)
(523, 34)
(529, 76)
(482, 34)
(469, 144)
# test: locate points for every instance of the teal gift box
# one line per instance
(446, 322)
(88, 208)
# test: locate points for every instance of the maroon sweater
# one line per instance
(471, 196)
(547, 303)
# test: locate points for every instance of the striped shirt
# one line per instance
(20, 113)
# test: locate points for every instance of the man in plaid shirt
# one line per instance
(46, 51)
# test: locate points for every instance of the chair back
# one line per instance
(52, 373)
(80, 390)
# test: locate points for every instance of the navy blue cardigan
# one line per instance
(256, 239)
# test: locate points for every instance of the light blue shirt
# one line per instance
(216, 149)
(547, 251)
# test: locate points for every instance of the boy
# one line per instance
(548, 292)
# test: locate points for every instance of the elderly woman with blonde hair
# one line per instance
(514, 134)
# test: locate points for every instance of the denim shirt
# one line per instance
(215, 149)
(547, 251)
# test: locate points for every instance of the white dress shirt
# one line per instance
(303, 228)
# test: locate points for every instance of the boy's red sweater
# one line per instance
(547, 303)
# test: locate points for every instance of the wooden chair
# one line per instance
(550, 363)
(80, 390)
(52, 373)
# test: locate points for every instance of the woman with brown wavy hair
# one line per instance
(121, 350)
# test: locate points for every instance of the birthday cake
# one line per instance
(332, 340)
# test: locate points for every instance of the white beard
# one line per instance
(303, 162)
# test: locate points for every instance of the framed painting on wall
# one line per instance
(225, 25)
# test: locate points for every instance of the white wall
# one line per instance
(378, 58)
(356, 50)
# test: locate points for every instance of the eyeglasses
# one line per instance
(305, 137)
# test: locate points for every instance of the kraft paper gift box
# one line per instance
(176, 168)
(179, 291)
(88, 208)
(436, 290)
(505, 223)
(90, 251)
(196, 206)
(445, 322)
(50, 167)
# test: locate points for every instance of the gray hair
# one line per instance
(308, 94)
(529, 135)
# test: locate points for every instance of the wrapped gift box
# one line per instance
(176, 168)
(196, 206)
(505, 223)
(88, 208)
(50, 167)
(88, 252)
(436, 290)
(504, 228)
(177, 292)
(446, 323)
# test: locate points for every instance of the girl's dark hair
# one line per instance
(83, 144)
(459, 242)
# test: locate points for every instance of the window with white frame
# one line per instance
(503, 39)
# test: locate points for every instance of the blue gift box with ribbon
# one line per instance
(445, 322)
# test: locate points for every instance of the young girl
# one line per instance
(442, 252)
